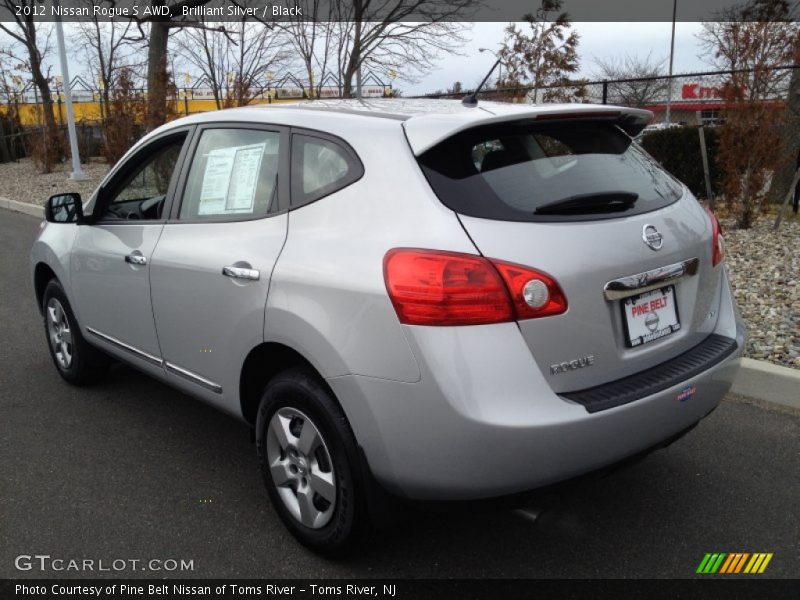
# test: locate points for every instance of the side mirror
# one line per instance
(64, 208)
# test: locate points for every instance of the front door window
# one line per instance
(141, 195)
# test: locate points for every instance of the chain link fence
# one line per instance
(680, 105)
(681, 96)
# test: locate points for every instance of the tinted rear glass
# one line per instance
(509, 171)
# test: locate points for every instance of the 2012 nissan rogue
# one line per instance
(449, 302)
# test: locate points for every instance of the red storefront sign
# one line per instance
(695, 91)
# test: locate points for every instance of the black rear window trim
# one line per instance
(505, 213)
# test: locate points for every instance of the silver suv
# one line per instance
(435, 301)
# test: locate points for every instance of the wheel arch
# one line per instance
(263, 363)
(267, 360)
(42, 274)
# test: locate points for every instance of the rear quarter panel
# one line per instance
(327, 298)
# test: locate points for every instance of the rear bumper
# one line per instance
(704, 356)
(483, 422)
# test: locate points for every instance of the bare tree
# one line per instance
(28, 33)
(12, 83)
(757, 36)
(312, 37)
(634, 80)
(103, 49)
(155, 31)
(455, 89)
(235, 63)
(375, 34)
(207, 53)
(542, 55)
(10, 88)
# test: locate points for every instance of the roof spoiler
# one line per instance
(425, 131)
(631, 121)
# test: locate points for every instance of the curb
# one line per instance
(756, 378)
(22, 207)
(765, 381)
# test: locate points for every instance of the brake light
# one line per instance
(585, 114)
(717, 240)
(432, 287)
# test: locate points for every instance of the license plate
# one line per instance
(650, 316)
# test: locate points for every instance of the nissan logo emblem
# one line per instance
(652, 237)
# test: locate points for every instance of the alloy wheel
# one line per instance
(59, 333)
(301, 467)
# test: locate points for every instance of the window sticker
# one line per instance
(244, 179)
(216, 179)
(230, 180)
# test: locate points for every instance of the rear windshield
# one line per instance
(545, 172)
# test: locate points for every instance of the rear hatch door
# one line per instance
(573, 197)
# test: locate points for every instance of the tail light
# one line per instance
(431, 287)
(533, 293)
(717, 240)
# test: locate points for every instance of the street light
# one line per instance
(671, 52)
(77, 173)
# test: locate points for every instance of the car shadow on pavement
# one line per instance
(140, 468)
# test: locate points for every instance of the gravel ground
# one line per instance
(764, 267)
(20, 181)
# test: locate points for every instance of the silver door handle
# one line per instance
(136, 258)
(241, 273)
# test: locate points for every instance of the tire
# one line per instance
(75, 360)
(305, 444)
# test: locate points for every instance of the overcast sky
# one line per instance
(597, 40)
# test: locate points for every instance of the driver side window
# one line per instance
(141, 194)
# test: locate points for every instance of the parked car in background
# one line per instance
(656, 127)
(437, 301)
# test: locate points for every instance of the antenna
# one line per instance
(471, 100)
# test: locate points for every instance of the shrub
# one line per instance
(126, 111)
(45, 148)
(87, 143)
(10, 128)
(678, 151)
(749, 154)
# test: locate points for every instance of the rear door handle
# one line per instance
(241, 273)
(136, 258)
(633, 285)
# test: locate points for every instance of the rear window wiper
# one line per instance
(594, 203)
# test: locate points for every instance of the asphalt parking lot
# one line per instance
(133, 469)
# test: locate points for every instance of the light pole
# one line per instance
(671, 52)
(77, 173)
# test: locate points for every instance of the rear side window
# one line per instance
(321, 166)
(234, 175)
(553, 171)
